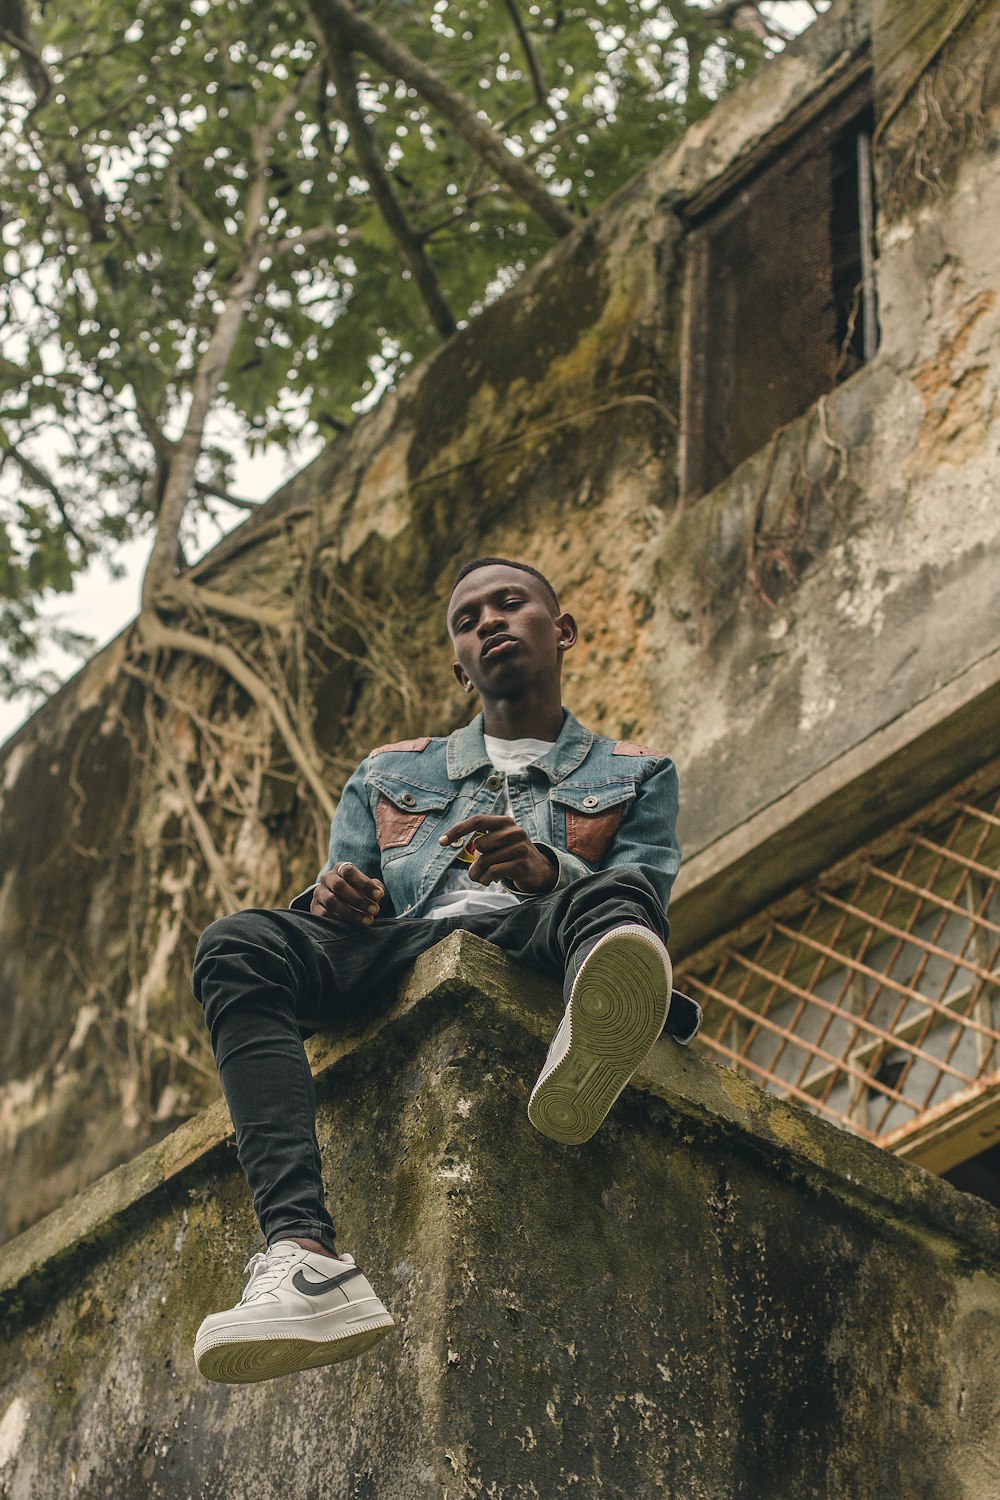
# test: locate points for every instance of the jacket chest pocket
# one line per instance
(591, 818)
(402, 812)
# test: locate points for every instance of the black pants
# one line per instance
(267, 979)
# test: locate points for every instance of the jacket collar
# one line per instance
(467, 750)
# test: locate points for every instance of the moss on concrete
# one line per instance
(717, 1296)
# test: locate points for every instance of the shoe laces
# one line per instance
(265, 1269)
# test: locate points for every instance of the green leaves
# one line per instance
(127, 162)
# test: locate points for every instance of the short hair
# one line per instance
(504, 562)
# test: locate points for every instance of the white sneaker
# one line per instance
(617, 1006)
(298, 1310)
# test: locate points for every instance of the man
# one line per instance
(573, 856)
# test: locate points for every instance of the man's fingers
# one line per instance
(484, 871)
(505, 844)
(340, 896)
(331, 906)
(346, 894)
(355, 889)
(501, 838)
(484, 823)
(323, 903)
(357, 879)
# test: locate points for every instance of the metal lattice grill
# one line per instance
(874, 997)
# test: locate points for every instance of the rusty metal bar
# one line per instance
(978, 895)
(965, 963)
(821, 1035)
(960, 859)
(837, 1062)
(836, 944)
(970, 934)
(979, 812)
(893, 1138)
(801, 1006)
(851, 980)
(916, 890)
(873, 999)
(957, 827)
(778, 978)
(893, 984)
(885, 1036)
(915, 978)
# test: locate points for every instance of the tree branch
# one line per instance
(370, 161)
(541, 93)
(37, 475)
(338, 20)
(155, 635)
(16, 31)
(209, 852)
(180, 477)
(741, 15)
(319, 234)
(212, 232)
(184, 595)
(213, 491)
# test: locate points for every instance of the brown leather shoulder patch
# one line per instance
(393, 827)
(629, 747)
(415, 745)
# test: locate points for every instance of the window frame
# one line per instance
(832, 108)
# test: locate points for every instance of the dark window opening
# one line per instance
(781, 295)
(890, 1073)
(979, 1175)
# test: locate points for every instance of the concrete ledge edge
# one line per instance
(897, 1195)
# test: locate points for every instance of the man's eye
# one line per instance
(508, 602)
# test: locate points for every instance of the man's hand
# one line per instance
(505, 852)
(344, 894)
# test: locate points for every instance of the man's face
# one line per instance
(506, 632)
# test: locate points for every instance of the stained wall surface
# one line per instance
(151, 795)
(718, 1298)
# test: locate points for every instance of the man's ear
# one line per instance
(463, 680)
(568, 632)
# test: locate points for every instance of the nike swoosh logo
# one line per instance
(317, 1288)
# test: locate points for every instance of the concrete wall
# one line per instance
(717, 1297)
(549, 428)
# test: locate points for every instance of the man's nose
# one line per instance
(490, 621)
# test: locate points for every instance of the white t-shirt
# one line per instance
(458, 894)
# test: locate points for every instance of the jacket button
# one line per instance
(590, 801)
(407, 799)
(494, 782)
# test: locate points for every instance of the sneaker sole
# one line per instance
(234, 1359)
(616, 1011)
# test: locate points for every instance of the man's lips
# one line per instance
(496, 646)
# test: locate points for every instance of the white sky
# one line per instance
(101, 606)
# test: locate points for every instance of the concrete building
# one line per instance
(746, 417)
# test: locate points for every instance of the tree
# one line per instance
(221, 207)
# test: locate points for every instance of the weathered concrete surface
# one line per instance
(549, 428)
(717, 1297)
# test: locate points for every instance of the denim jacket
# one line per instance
(592, 802)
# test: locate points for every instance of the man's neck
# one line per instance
(523, 718)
